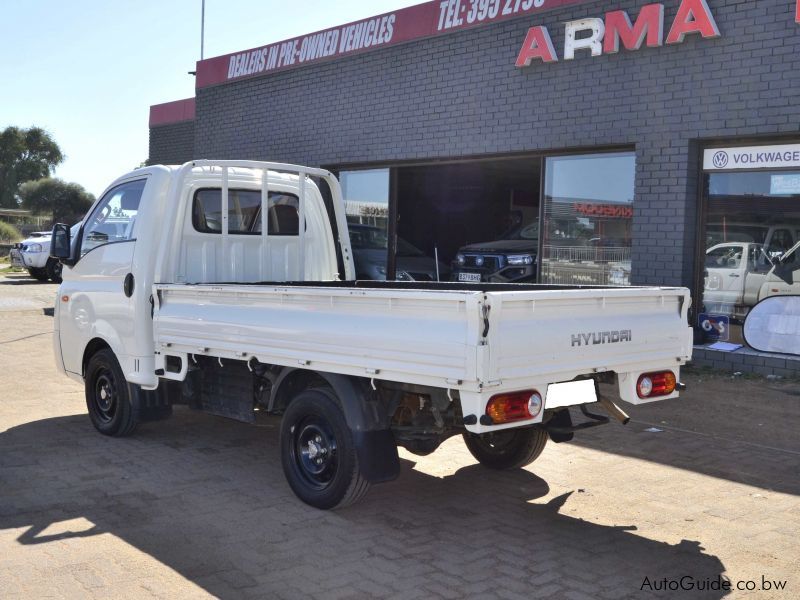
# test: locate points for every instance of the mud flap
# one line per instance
(561, 420)
(377, 455)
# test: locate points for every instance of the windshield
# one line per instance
(527, 231)
(726, 257)
(372, 238)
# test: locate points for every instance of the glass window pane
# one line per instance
(114, 219)
(588, 217)
(366, 200)
(244, 212)
(752, 220)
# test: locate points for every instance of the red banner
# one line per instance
(413, 23)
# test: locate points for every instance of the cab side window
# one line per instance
(244, 212)
(114, 218)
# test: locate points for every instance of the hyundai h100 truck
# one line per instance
(229, 286)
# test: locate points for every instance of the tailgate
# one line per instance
(558, 335)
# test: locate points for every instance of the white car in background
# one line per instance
(33, 254)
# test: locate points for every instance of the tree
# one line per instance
(65, 202)
(25, 155)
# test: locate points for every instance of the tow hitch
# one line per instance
(561, 429)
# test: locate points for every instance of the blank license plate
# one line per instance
(472, 277)
(571, 393)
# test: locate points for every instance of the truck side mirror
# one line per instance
(60, 244)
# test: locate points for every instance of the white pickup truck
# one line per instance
(229, 286)
(739, 275)
(33, 254)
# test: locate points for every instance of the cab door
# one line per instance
(95, 297)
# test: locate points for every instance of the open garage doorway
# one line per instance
(480, 218)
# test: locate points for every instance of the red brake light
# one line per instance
(515, 406)
(651, 385)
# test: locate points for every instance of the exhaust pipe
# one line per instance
(613, 410)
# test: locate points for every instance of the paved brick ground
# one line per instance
(197, 506)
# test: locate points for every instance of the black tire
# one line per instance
(53, 270)
(108, 396)
(318, 453)
(38, 274)
(508, 449)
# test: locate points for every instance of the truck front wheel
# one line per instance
(108, 396)
(38, 274)
(53, 270)
(508, 449)
(318, 453)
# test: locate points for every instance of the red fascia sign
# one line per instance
(172, 112)
(416, 22)
(604, 36)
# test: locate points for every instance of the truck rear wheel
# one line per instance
(508, 449)
(108, 396)
(318, 453)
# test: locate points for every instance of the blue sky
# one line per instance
(88, 70)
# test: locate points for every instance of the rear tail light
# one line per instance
(516, 406)
(652, 385)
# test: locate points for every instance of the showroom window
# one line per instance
(366, 201)
(752, 224)
(588, 217)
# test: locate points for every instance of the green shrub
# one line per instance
(9, 234)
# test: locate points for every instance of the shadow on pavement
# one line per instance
(739, 429)
(21, 279)
(207, 498)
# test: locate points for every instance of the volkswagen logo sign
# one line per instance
(721, 159)
(479, 261)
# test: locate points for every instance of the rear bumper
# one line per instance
(475, 403)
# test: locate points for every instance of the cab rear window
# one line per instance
(244, 212)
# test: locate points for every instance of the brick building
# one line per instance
(668, 141)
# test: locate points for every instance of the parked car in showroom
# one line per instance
(33, 254)
(510, 259)
(369, 254)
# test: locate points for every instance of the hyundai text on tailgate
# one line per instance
(229, 286)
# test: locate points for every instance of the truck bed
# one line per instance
(452, 335)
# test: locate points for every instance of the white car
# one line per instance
(33, 254)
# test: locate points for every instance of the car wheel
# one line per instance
(318, 453)
(53, 270)
(38, 274)
(507, 449)
(108, 396)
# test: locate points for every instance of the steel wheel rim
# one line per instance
(499, 441)
(315, 452)
(105, 399)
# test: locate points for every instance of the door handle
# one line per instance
(127, 285)
(734, 275)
